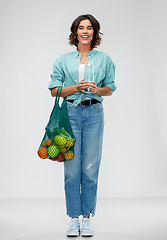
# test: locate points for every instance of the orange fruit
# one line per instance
(69, 155)
(48, 142)
(42, 152)
(43, 143)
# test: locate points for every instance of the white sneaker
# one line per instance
(74, 229)
(86, 230)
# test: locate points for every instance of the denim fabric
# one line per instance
(81, 173)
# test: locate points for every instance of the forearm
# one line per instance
(65, 91)
(104, 91)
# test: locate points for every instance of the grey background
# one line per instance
(33, 34)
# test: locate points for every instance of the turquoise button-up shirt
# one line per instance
(66, 73)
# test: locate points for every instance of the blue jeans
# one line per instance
(81, 173)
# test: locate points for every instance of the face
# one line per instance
(85, 32)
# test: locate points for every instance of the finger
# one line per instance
(85, 82)
(93, 88)
(95, 91)
(85, 85)
(93, 83)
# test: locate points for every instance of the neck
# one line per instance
(84, 49)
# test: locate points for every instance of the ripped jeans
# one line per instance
(81, 173)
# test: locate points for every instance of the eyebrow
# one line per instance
(83, 26)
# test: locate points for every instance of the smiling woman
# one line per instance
(91, 23)
(85, 32)
(85, 111)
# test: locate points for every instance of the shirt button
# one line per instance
(78, 60)
(76, 67)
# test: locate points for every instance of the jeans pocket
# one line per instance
(98, 107)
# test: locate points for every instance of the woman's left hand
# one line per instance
(93, 87)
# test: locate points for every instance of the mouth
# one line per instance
(85, 37)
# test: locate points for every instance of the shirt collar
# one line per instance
(90, 53)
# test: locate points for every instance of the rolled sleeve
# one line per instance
(110, 75)
(57, 77)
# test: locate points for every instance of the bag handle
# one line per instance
(56, 99)
(58, 93)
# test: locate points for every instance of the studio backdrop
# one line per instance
(34, 33)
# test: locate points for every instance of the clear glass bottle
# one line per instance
(89, 74)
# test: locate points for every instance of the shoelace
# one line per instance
(86, 224)
(74, 225)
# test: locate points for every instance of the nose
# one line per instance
(85, 30)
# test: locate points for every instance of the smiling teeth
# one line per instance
(84, 36)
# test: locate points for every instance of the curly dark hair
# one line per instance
(96, 27)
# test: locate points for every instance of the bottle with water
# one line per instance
(89, 74)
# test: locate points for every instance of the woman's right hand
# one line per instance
(82, 85)
(66, 91)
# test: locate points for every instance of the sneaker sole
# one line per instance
(73, 234)
(87, 234)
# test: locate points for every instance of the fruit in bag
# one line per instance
(70, 143)
(59, 140)
(69, 155)
(61, 131)
(48, 142)
(63, 149)
(60, 157)
(53, 150)
(43, 143)
(42, 152)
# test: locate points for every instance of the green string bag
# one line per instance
(58, 141)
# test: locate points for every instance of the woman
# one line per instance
(86, 116)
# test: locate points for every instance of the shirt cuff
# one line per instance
(54, 84)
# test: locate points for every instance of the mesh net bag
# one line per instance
(58, 141)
